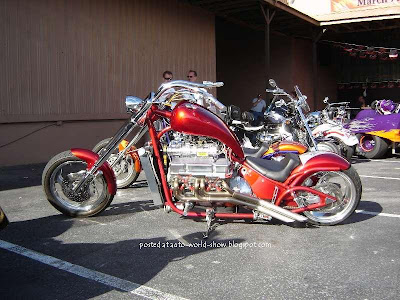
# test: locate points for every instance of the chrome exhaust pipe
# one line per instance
(238, 199)
(265, 204)
(252, 206)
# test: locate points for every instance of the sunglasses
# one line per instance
(189, 76)
(168, 78)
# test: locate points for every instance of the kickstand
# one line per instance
(210, 213)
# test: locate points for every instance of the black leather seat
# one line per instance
(256, 152)
(276, 170)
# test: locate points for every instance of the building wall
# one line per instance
(77, 60)
(241, 65)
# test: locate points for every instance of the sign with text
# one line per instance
(345, 5)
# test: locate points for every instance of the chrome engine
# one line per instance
(191, 156)
(199, 171)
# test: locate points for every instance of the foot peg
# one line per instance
(187, 208)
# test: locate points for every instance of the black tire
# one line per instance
(78, 207)
(124, 180)
(379, 148)
(345, 151)
(338, 211)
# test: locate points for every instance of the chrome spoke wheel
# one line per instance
(123, 170)
(340, 185)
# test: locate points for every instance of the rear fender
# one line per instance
(90, 158)
(346, 138)
(316, 161)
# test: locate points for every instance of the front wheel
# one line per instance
(345, 186)
(125, 171)
(59, 177)
(329, 147)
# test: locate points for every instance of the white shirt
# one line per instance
(260, 105)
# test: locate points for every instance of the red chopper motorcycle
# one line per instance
(204, 169)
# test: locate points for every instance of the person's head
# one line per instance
(259, 96)
(361, 100)
(192, 76)
(167, 76)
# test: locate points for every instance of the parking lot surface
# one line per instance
(134, 250)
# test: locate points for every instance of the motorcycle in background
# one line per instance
(283, 121)
(329, 124)
(126, 168)
(377, 129)
(205, 170)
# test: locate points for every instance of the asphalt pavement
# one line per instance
(134, 250)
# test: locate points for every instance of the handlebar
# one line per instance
(217, 104)
(194, 86)
(211, 84)
(189, 85)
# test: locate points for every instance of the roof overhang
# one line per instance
(291, 22)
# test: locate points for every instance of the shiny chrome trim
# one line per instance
(230, 196)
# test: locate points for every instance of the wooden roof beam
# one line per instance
(292, 11)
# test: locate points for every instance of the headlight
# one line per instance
(133, 104)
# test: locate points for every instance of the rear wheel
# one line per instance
(59, 177)
(124, 170)
(345, 186)
(373, 146)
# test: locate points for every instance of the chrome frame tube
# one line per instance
(303, 118)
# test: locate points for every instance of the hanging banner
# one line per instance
(345, 5)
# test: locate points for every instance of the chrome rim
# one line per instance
(367, 143)
(337, 184)
(66, 176)
(325, 146)
(123, 170)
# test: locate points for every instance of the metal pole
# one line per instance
(316, 38)
(268, 19)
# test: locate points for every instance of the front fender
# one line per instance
(316, 161)
(90, 158)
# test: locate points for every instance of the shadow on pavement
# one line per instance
(16, 177)
(367, 206)
(128, 208)
(355, 161)
(136, 260)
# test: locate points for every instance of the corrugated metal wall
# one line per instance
(78, 59)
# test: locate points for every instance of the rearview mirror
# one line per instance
(272, 83)
(133, 103)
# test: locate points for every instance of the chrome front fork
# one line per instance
(303, 118)
(105, 154)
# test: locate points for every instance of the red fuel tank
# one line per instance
(194, 119)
